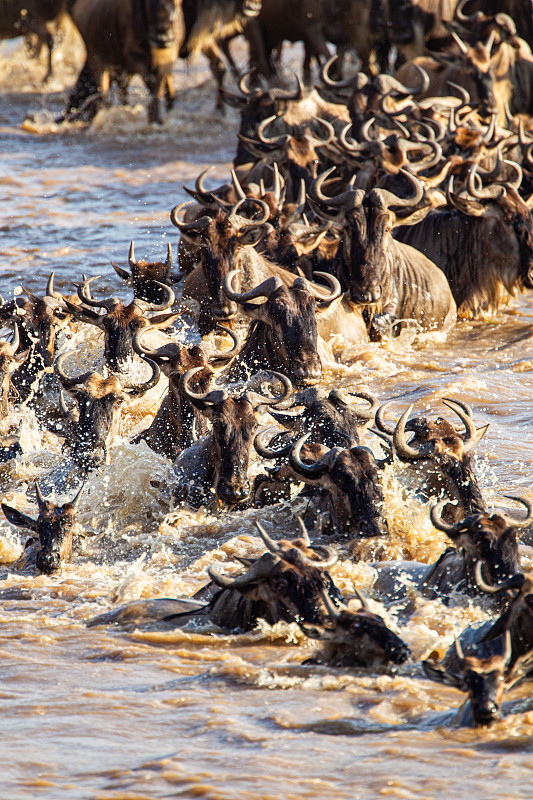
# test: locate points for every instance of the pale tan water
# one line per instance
(111, 714)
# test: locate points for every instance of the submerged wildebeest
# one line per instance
(355, 638)
(120, 322)
(54, 529)
(216, 467)
(178, 423)
(92, 426)
(288, 583)
(485, 545)
(144, 276)
(444, 455)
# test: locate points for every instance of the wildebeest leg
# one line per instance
(226, 52)
(85, 98)
(170, 93)
(216, 64)
(28, 24)
(260, 62)
(155, 86)
(315, 45)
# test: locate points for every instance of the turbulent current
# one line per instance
(131, 714)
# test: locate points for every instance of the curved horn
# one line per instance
(40, 497)
(438, 522)
(328, 81)
(460, 44)
(239, 191)
(84, 295)
(77, 497)
(15, 341)
(353, 197)
(199, 183)
(331, 608)
(263, 400)
(168, 259)
(310, 470)
(259, 571)
(198, 225)
(399, 441)
(305, 532)
(277, 141)
(519, 523)
(142, 388)
(380, 420)
(226, 355)
(67, 382)
(131, 256)
(514, 582)
(165, 304)
(265, 289)
(364, 413)
(471, 437)
(270, 544)
(326, 297)
(203, 400)
(263, 449)
(390, 199)
(459, 650)
(490, 193)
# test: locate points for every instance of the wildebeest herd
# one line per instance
(369, 206)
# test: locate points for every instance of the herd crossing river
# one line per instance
(156, 711)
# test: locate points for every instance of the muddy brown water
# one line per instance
(107, 714)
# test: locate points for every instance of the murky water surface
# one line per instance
(111, 714)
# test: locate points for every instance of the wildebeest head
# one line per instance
(143, 274)
(448, 451)
(95, 423)
(476, 71)
(284, 327)
(487, 538)
(357, 638)
(54, 528)
(328, 417)
(120, 322)
(351, 478)
(234, 420)
(367, 239)
(287, 583)
(221, 241)
(483, 674)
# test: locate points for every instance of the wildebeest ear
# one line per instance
(480, 433)
(251, 235)
(18, 518)
(20, 358)
(436, 672)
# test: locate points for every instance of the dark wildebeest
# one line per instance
(22, 17)
(219, 462)
(357, 638)
(350, 479)
(287, 584)
(120, 322)
(96, 421)
(10, 361)
(379, 272)
(54, 528)
(144, 275)
(482, 542)
(178, 423)
(125, 38)
(444, 454)
(283, 335)
(484, 673)
(37, 321)
(484, 245)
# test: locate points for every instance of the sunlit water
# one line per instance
(104, 713)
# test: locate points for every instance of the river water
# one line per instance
(114, 714)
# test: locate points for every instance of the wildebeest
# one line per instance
(484, 246)
(217, 465)
(485, 545)
(287, 583)
(54, 529)
(122, 39)
(21, 17)
(178, 423)
(381, 273)
(10, 361)
(355, 638)
(143, 274)
(37, 321)
(484, 673)
(95, 422)
(443, 452)
(351, 482)
(283, 335)
(120, 321)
